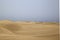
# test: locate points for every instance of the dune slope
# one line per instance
(28, 30)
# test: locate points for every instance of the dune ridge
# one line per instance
(21, 30)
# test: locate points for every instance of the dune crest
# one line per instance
(28, 30)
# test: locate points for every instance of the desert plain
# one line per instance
(26, 30)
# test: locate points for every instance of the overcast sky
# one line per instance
(29, 10)
(59, 10)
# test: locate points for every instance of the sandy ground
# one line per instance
(28, 30)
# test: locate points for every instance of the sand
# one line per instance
(19, 30)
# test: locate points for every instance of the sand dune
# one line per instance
(10, 30)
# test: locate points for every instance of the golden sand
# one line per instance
(10, 30)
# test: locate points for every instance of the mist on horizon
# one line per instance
(29, 10)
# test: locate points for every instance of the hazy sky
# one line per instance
(32, 10)
(59, 10)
